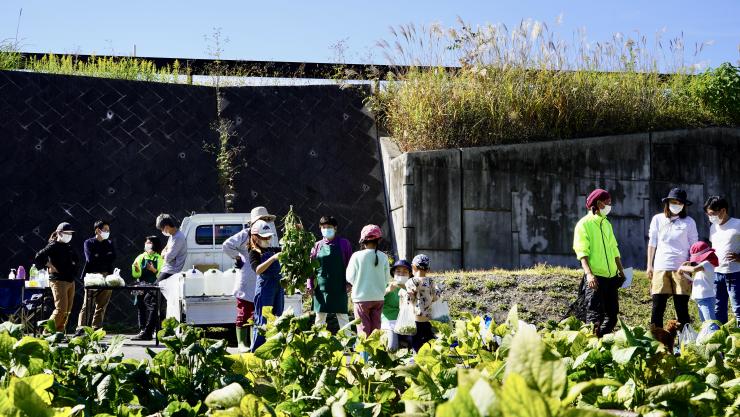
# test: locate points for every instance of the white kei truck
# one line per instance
(205, 234)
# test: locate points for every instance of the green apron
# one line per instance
(147, 276)
(330, 294)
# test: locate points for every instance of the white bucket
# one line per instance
(213, 279)
(295, 303)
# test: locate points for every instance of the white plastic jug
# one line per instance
(213, 282)
(194, 283)
(230, 279)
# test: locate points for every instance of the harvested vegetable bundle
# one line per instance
(94, 280)
(295, 257)
(115, 281)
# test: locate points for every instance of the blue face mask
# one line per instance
(328, 232)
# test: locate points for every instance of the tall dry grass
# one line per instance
(527, 84)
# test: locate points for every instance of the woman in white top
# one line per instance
(701, 266)
(671, 234)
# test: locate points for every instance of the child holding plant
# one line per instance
(268, 292)
(422, 293)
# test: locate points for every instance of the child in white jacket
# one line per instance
(701, 269)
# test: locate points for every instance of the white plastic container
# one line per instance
(213, 282)
(294, 303)
(229, 279)
(194, 283)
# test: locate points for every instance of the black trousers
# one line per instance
(147, 305)
(602, 304)
(680, 303)
(332, 324)
(148, 312)
(424, 333)
(141, 312)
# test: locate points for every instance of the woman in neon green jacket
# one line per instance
(145, 268)
(597, 249)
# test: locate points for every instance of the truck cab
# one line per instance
(206, 233)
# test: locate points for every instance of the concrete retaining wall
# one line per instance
(516, 205)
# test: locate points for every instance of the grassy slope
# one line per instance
(542, 293)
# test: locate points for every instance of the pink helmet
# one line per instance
(370, 232)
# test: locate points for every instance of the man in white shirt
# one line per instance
(725, 237)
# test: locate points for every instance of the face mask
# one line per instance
(714, 219)
(675, 208)
(165, 233)
(263, 243)
(148, 247)
(606, 210)
(105, 235)
(401, 279)
(328, 232)
(65, 238)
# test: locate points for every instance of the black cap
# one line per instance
(678, 194)
(64, 227)
(404, 263)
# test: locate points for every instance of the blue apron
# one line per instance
(268, 293)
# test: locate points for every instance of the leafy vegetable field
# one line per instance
(509, 370)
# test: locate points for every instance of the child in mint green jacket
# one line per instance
(369, 273)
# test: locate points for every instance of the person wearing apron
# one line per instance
(268, 292)
(145, 268)
(330, 287)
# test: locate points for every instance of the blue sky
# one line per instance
(305, 30)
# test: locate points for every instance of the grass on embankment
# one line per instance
(542, 293)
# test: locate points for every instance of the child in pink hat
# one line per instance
(700, 270)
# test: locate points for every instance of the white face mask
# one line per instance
(148, 247)
(105, 235)
(263, 243)
(675, 208)
(165, 233)
(65, 238)
(714, 219)
(606, 210)
(401, 279)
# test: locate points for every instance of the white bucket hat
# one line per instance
(261, 213)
